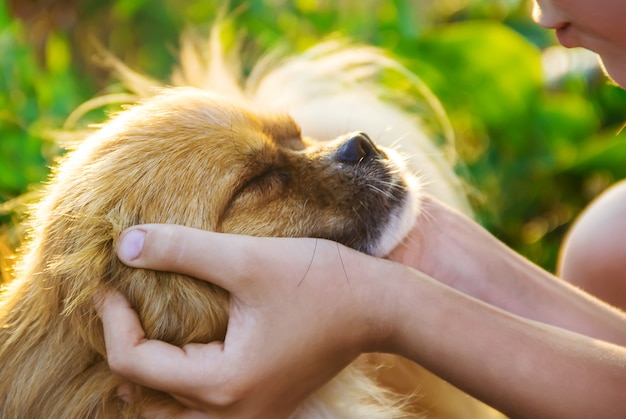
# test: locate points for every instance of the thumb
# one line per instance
(227, 260)
(204, 255)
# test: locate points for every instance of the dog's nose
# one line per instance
(358, 147)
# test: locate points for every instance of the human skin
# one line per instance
(595, 25)
(486, 269)
(593, 253)
(593, 256)
(518, 347)
(493, 324)
(281, 323)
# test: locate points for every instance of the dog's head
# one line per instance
(196, 159)
(184, 157)
(189, 157)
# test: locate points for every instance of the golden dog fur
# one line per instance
(238, 165)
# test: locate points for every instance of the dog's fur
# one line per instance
(235, 164)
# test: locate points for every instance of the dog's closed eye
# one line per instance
(263, 186)
(265, 182)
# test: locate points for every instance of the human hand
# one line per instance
(300, 311)
(454, 249)
(458, 252)
(440, 235)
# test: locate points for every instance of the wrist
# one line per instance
(447, 246)
(375, 301)
(416, 309)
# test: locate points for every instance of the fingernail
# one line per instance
(131, 244)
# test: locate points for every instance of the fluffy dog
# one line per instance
(226, 158)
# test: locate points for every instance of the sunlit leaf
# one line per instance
(58, 54)
(484, 67)
(606, 153)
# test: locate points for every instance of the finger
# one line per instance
(201, 254)
(151, 363)
(214, 257)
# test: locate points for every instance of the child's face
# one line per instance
(595, 25)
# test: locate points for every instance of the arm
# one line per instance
(521, 366)
(524, 368)
(452, 248)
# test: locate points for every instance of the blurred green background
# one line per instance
(537, 127)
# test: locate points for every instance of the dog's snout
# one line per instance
(358, 147)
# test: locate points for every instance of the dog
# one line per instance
(212, 153)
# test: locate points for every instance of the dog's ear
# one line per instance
(283, 130)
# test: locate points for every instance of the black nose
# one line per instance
(358, 147)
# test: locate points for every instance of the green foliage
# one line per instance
(534, 150)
